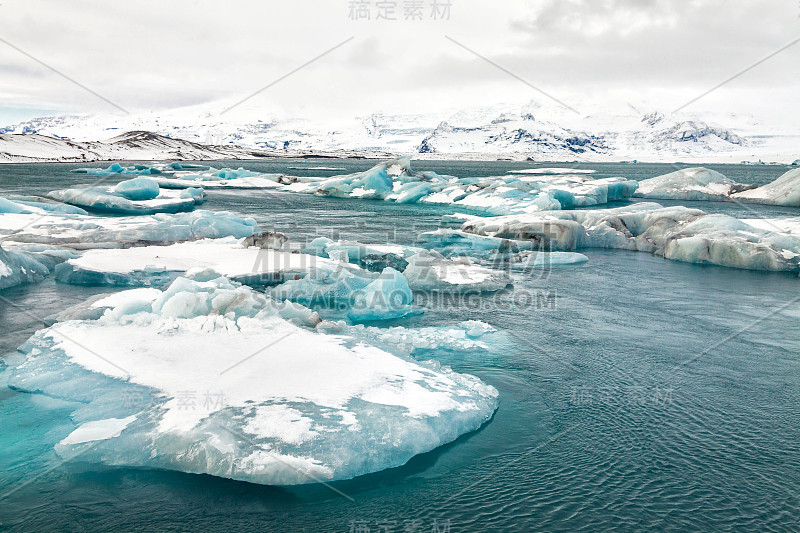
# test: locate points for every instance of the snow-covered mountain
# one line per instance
(494, 132)
(33, 147)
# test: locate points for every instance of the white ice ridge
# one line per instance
(395, 181)
(82, 231)
(678, 233)
(213, 377)
(137, 196)
(695, 183)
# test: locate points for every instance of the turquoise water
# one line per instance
(652, 395)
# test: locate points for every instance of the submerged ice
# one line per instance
(292, 404)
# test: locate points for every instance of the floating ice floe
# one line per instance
(396, 181)
(85, 232)
(528, 261)
(215, 378)
(783, 191)
(137, 196)
(157, 265)
(696, 183)
(678, 233)
(34, 205)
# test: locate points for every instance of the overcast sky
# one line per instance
(589, 54)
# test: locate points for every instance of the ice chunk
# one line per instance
(430, 271)
(157, 265)
(81, 232)
(326, 282)
(783, 191)
(455, 242)
(373, 257)
(98, 430)
(7, 206)
(195, 193)
(138, 189)
(676, 233)
(19, 267)
(268, 240)
(228, 387)
(34, 205)
(529, 261)
(385, 298)
(695, 183)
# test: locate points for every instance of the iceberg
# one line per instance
(215, 378)
(678, 233)
(145, 266)
(783, 191)
(342, 288)
(138, 196)
(138, 189)
(386, 298)
(451, 242)
(396, 181)
(431, 271)
(87, 232)
(211, 178)
(116, 168)
(373, 257)
(531, 261)
(695, 183)
(17, 268)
